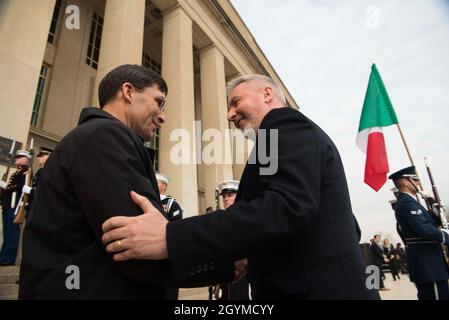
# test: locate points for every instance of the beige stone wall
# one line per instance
(24, 26)
(71, 80)
(198, 48)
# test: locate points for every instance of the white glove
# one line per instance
(26, 189)
(426, 194)
(3, 184)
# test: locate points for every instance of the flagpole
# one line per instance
(408, 152)
(405, 144)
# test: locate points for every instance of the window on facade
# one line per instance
(149, 62)
(39, 95)
(93, 51)
(54, 22)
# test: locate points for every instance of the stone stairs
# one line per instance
(194, 294)
(9, 289)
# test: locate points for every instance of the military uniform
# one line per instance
(241, 289)
(36, 178)
(171, 207)
(11, 231)
(173, 212)
(34, 183)
(425, 260)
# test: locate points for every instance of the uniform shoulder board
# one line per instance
(416, 212)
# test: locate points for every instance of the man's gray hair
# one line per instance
(256, 77)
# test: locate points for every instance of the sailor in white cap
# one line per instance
(228, 191)
(171, 206)
(174, 212)
(241, 289)
(10, 200)
(41, 158)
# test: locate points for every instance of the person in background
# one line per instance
(401, 254)
(391, 255)
(419, 228)
(379, 255)
(10, 200)
(174, 212)
(239, 290)
(41, 158)
(171, 206)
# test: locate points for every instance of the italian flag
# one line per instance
(377, 113)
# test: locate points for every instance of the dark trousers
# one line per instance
(381, 276)
(394, 269)
(427, 291)
(11, 235)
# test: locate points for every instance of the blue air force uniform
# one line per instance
(425, 259)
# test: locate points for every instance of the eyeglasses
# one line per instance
(160, 100)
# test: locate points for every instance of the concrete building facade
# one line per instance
(53, 53)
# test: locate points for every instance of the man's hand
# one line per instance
(139, 237)
(216, 293)
(3, 184)
(26, 189)
(426, 194)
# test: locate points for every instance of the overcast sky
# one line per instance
(323, 51)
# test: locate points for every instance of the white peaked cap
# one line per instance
(163, 178)
(228, 185)
(23, 153)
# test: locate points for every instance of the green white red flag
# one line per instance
(377, 113)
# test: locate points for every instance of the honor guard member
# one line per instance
(10, 200)
(174, 212)
(41, 158)
(423, 239)
(393, 206)
(239, 290)
(171, 206)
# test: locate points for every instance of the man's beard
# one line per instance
(250, 133)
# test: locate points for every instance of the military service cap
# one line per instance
(163, 178)
(44, 152)
(23, 153)
(409, 172)
(228, 186)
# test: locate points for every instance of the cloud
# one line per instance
(323, 52)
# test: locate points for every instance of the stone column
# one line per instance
(177, 70)
(214, 116)
(122, 37)
(24, 27)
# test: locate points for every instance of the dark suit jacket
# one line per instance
(87, 180)
(378, 253)
(296, 226)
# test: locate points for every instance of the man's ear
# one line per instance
(127, 91)
(267, 94)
